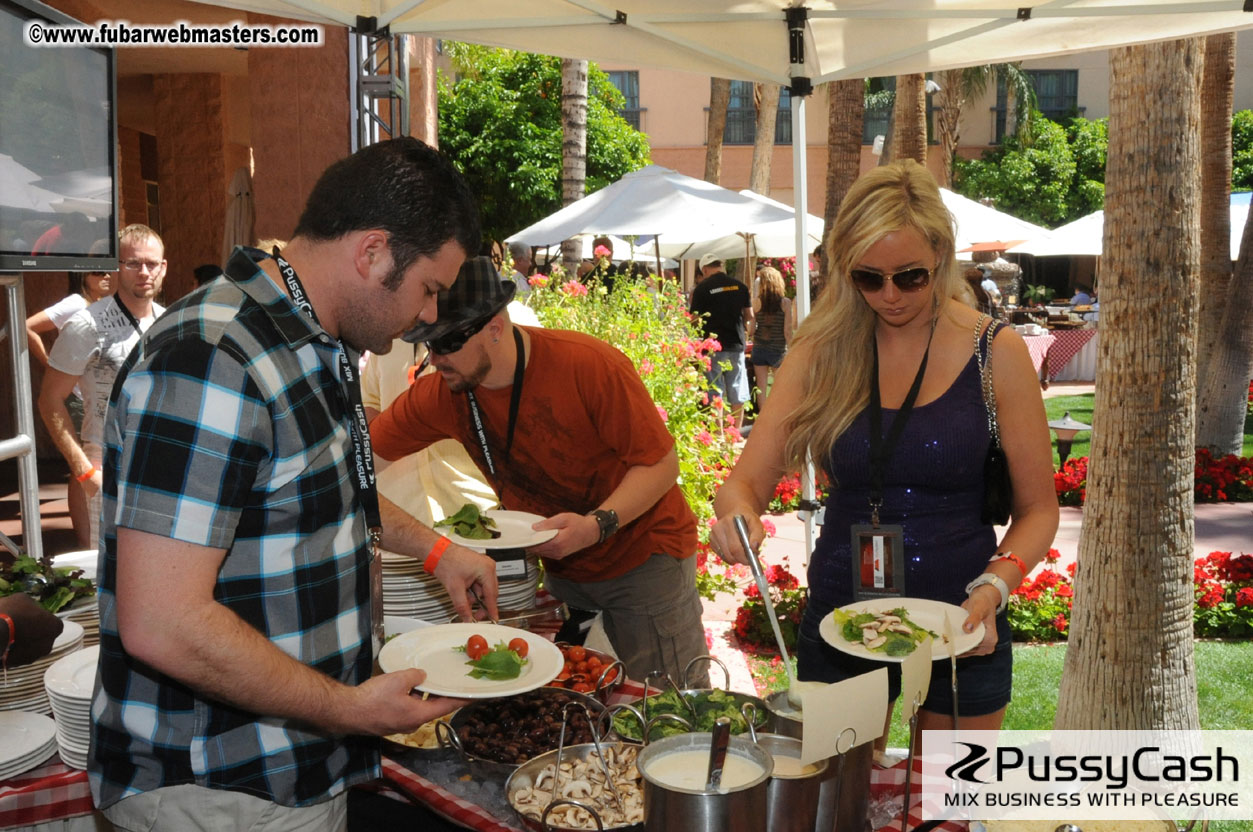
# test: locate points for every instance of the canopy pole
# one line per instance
(800, 89)
(657, 253)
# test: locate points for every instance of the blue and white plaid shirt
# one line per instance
(229, 428)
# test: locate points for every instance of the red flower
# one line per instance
(1064, 591)
(752, 591)
(1244, 598)
(1212, 596)
(1053, 556)
(1071, 567)
(1240, 570)
(1060, 623)
(769, 527)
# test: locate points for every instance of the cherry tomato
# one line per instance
(609, 676)
(593, 664)
(583, 687)
(476, 647)
(577, 653)
(563, 675)
(519, 646)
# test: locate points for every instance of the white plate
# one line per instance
(923, 612)
(432, 649)
(23, 734)
(73, 676)
(515, 531)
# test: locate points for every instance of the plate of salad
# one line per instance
(890, 629)
(474, 660)
(54, 587)
(495, 528)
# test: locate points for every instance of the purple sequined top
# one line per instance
(933, 489)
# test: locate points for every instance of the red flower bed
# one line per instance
(1218, 479)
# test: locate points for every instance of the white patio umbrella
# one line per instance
(977, 223)
(653, 200)
(1085, 236)
(241, 213)
(772, 239)
(16, 190)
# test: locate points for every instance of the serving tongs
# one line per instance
(600, 752)
(482, 606)
(719, 741)
(661, 674)
(754, 563)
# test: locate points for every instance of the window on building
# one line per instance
(1056, 92)
(877, 119)
(628, 83)
(742, 116)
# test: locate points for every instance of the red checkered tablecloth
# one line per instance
(1066, 345)
(889, 783)
(1038, 346)
(54, 791)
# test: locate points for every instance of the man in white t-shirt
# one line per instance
(89, 351)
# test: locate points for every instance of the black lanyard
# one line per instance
(881, 449)
(359, 428)
(129, 315)
(515, 397)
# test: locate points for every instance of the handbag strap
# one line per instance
(985, 376)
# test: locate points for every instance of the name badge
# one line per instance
(878, 561)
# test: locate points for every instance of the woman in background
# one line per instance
(771, 331)
(92, 286)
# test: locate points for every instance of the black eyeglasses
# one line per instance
(453, 341)
(907, 280)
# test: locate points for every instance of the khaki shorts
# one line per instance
(651, 616)
(191, 807)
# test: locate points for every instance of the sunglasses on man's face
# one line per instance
(453, 341)
(907, 280)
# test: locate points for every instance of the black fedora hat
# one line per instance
(478, 292)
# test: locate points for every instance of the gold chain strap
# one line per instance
(985, 377)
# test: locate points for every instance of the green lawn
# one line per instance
(1222, 672)
(1080, 408)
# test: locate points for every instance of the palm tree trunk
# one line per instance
(1217, 89)
(1223, 392)
(1130, 660)
(909, 119)
(846, 111)
(573, 147)
(719, 98)
(948, 121)
(767, 100)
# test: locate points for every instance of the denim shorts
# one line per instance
(765, 355)
(732, 383)
(983, 682)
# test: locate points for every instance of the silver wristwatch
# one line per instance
(994, 580)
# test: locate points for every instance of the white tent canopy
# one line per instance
(653, 200)
(977, 223)
(1085, 236)
(749, 39)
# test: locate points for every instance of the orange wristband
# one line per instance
(86, 475)
(1010, 556)
(4, 654)
(437, 552)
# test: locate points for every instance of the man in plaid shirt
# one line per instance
(235, 620)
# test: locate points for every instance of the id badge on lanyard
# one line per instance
(878, 561)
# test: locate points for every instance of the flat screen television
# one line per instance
(58, 166)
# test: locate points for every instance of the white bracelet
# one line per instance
(994, 580)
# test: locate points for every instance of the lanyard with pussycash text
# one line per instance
(359, 427)
(476, 415)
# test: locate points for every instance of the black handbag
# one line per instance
(998, 489)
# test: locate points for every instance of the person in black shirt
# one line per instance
(726, 307)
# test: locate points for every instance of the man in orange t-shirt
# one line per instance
(585, 448)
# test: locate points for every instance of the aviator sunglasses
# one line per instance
(906, 280)
(453, 341)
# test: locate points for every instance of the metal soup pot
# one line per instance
(668, 807)
(844, 796)
(792, 799)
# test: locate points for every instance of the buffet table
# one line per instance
(1072, 357)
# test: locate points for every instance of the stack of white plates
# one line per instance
(411, 593)
(26, 741)
(23, 690)
(86, 611)
(69, 684)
